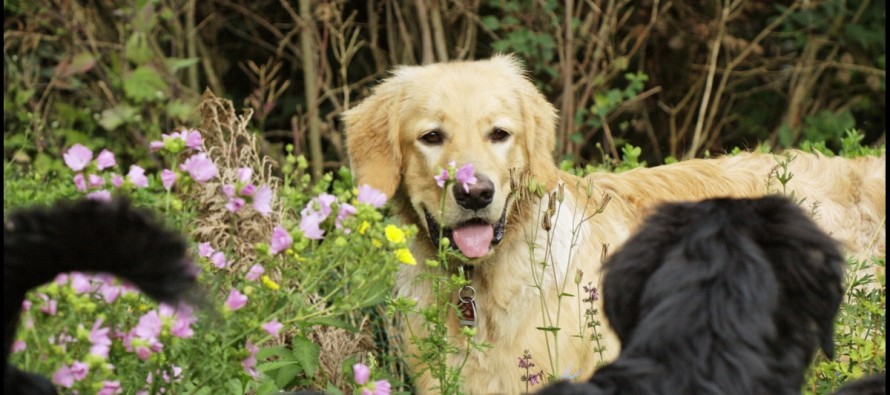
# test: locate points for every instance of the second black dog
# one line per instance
(725, 296)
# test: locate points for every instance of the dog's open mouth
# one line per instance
(473, 238)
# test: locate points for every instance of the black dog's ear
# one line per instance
(810, 260)
(628, 270)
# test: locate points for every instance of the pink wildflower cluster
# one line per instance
(243, 190)
(320, 208)
(362, 375)
(145, 338)
(177, 141)
(465, 175)
(87, 178)
(525, 362)
(198, 166)
(216, 258)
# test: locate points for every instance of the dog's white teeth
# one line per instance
(473, 240)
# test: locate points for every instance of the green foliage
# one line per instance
(860, 330)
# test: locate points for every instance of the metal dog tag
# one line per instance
(467, 306)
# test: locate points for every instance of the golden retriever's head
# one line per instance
(422, 118)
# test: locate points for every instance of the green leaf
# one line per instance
(270, 366)
(137, 50)
(175, 64)
(553, 329)
(331, 390)
(491, 22)
(306, 352)
(234, 386)
(112, 118)
(286, 375)
(145, 85)
(81, 63)
(179, 110)
(279, 351)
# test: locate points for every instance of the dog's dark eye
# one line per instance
(497, 135)
(433, 137)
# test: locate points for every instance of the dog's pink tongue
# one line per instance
(473, 240)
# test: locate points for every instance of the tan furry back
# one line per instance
(846, 197)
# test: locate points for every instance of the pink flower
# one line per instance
(205, 250)
(346, 210)
(200, 168)
(51, 306)
(168, 178)
(235, 204)
(309, 224)
(105, 160)
(324, 201)
(110, 292)
(369, 195)
(466, 175)
(19, 346)
(248, 190)
(183, 318)
(272, 327)
(361, 373)
(95, 181)
(64, 376)
(80, 183)
(255, 272)
(382, 387)
(80, 282)
(102, 196)
(441, 178)
(218, 259)
(244, 174)
(262, 200)
(149, 326)
(137, 177)
(228, 190)
(110, 388)
(117, 180)
(99, 339)
(156, 146)
(194, 140)
(77, 157)
(249, 363)
(236, 300)
(281, 240)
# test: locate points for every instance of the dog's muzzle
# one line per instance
(473, 238)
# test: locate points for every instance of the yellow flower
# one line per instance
(269, 283)
(376, 243)
(363, 227)
(394, 234)
(404, 256)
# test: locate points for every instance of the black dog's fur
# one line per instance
(86, 236)
(725, 296)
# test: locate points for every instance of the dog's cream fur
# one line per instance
(464, 102)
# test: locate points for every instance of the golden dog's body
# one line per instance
(487, 113)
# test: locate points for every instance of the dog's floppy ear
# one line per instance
(810, 260)
(539, 119)
(372, 138)
(628, 270)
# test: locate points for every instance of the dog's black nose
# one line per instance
(478, 196)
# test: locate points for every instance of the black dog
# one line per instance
(725, 296)
(87, 236)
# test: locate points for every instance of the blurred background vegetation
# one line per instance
(677, 79)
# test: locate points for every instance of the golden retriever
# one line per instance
(526, 243)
